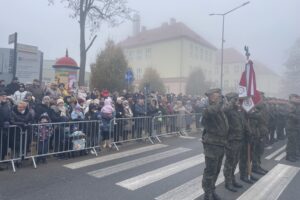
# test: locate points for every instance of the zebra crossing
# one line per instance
(277, 155)
(269, 186)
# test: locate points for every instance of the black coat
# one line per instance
(119, 111)
(5, 113)
(20, 119)
(41, 109)
(12, 88)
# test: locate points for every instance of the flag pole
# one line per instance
(249, 163)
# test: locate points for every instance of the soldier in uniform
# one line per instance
(237, 130)
(248, 144)
(214, 140)
(292, 128)
(281, 120)
(261, 117)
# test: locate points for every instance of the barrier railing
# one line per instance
(37, 141)
(61, 139)
(11, 145)
(130, 129)
(175, 124)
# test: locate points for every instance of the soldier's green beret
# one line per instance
(232, 95)
(212, 91)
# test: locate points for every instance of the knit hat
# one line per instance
(44, 116)
(59, 101)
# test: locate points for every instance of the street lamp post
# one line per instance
(222, 46)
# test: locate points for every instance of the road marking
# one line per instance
(190, 190)
(161, 173)
(272, 184)
(115, 156)
(269, 157)
(282, 155)
(136, 163)
(187, 137)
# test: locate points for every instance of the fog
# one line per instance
(268, 27)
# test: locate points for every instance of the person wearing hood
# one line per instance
(106, 115)
(44, 133)
(77, 114)
(20, 94)
(60, 111)
(128, 128)
(118, 128)
(44, 107)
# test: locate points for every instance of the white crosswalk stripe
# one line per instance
(115, 156)
(161, 173)
(272, 184)
(279, 157)
(272, 155)
(191, 189)
(136, 163)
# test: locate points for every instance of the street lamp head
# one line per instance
(211, 14)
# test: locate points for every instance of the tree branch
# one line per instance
(91, 43)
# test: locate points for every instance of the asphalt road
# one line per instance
(141, 171)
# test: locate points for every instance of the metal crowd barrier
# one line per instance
(11, 145)
(176, 124)
(130, 129)
(61, 139)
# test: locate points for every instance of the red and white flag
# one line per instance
(247, 87)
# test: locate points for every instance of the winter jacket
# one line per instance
(19, 96)
(21, 119)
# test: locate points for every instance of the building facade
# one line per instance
(175, 51)
(6, 64)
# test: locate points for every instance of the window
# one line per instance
(139, 54)
(148, 53)
(206, 55)
(191, 50)
(201, 53)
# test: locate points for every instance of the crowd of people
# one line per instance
(241, 137)
(26, 105)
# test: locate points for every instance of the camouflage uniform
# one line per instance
(214, 138)
(292, 130)
(281, 121)
(251, 136)
(237, 130)
(261, 118)
(272, 123)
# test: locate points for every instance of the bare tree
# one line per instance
(90, 14)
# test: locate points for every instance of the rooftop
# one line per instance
(167, 31)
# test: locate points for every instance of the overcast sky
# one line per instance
(268, 27)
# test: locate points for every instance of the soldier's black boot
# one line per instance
(253, 178)
(236, 184)
(290, 159)
(230, 187)
(216, 196)
(257, 170)
(208, 196)
(246, 180)
(262, 169)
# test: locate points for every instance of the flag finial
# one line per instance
(247, 52)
